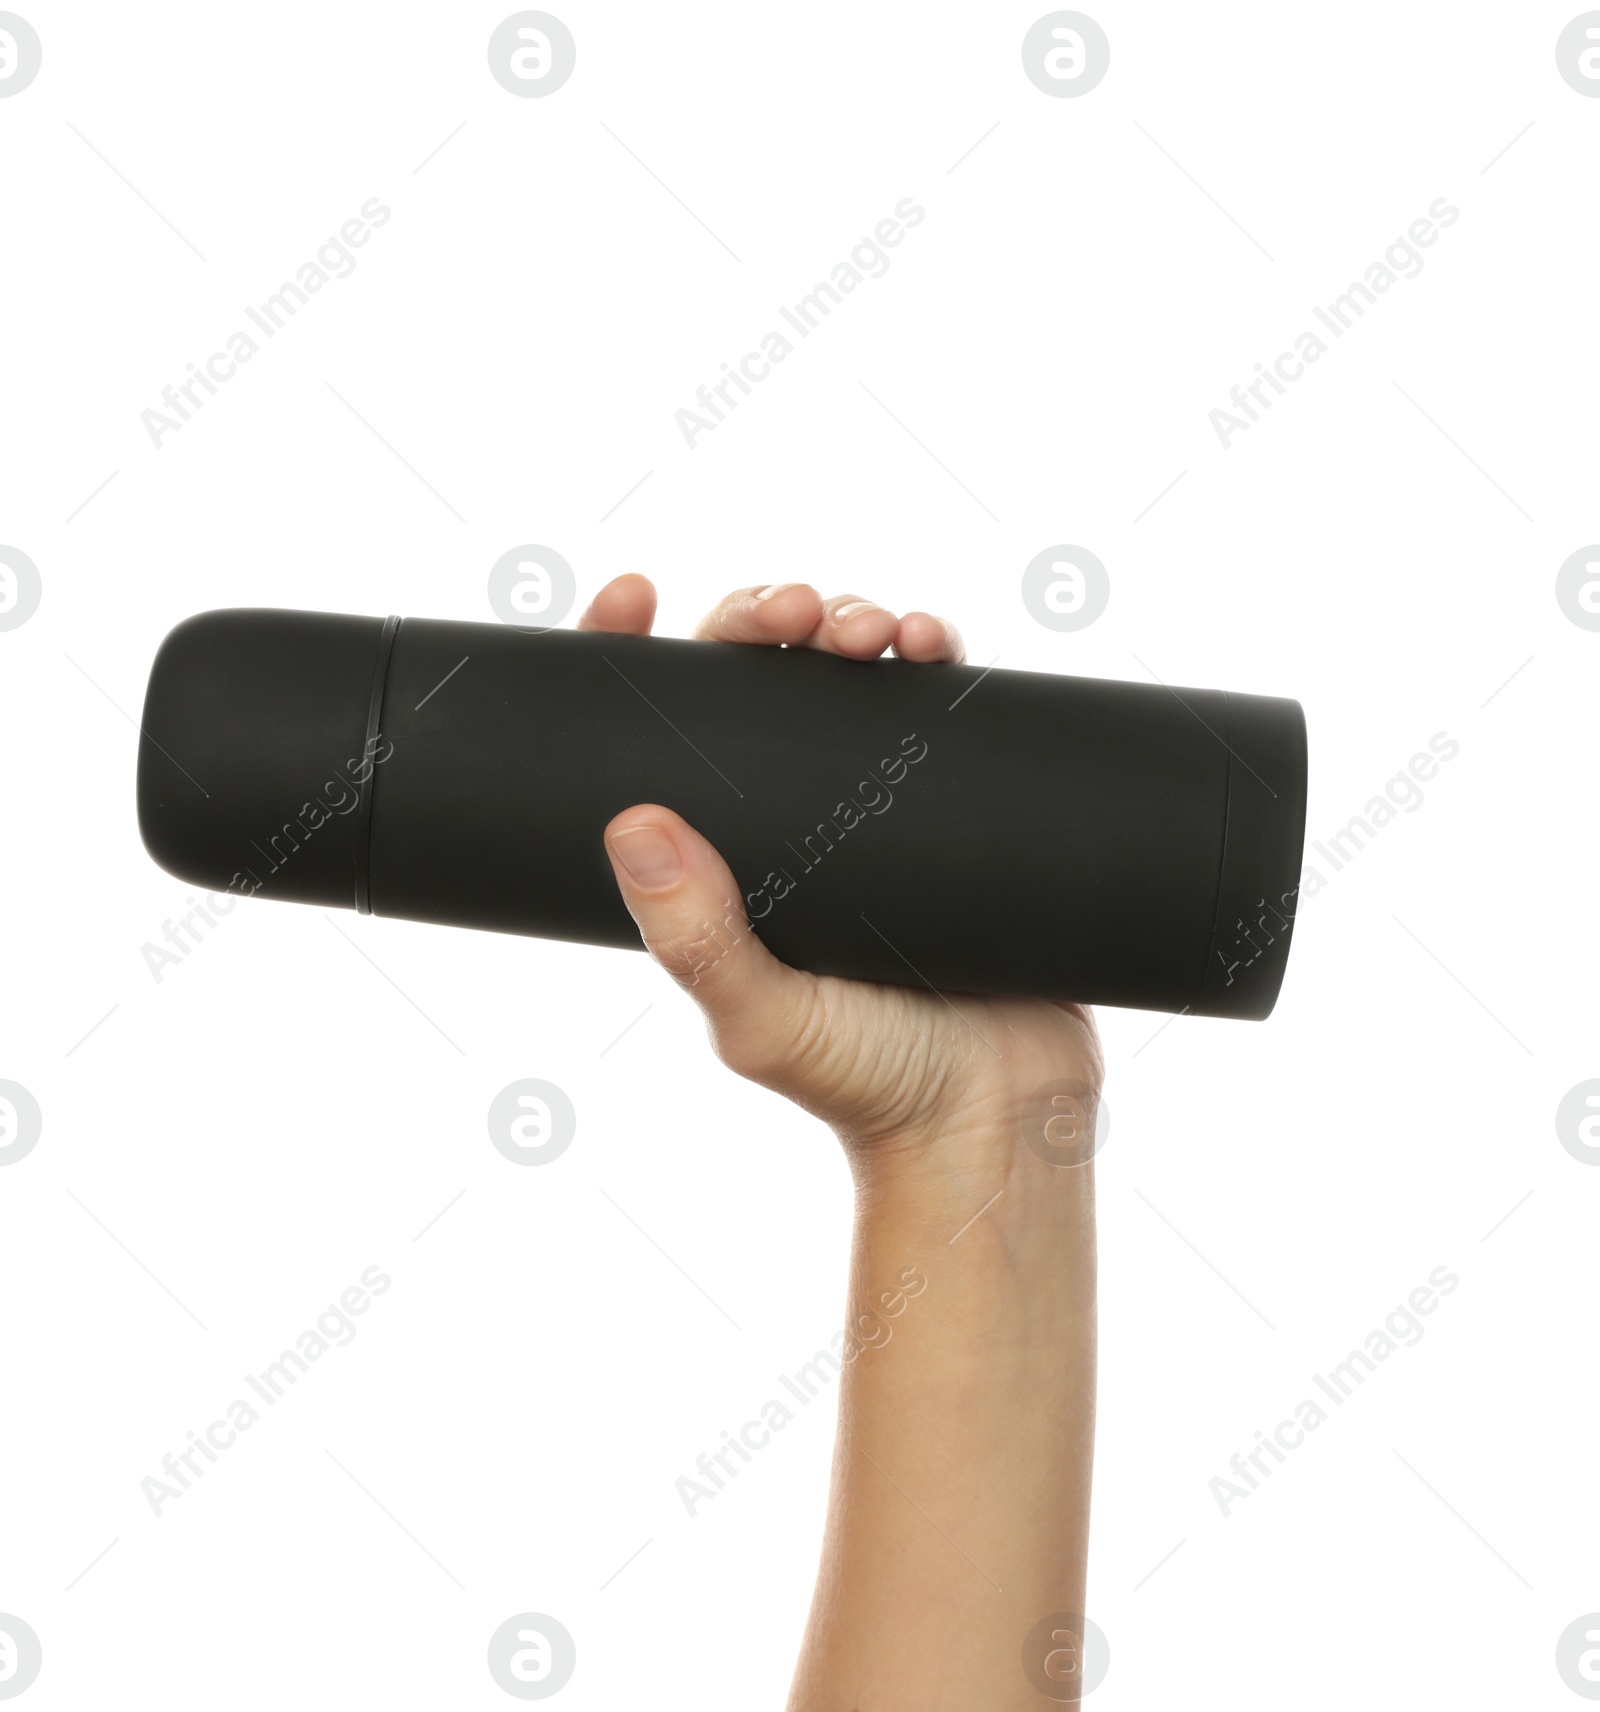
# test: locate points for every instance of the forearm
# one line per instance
(960, 1502)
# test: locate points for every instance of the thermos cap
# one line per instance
(257, 752)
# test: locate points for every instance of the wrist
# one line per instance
(985, 1213)
(1032, 1154)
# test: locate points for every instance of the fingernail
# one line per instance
(853, 608)
(648, 855)
(774, 588)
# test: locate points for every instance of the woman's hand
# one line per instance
(899, 1073)
(959, 1512)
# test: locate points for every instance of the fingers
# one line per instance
(626, 606)
(926, 638)
(780, 612)
(693, 922)
(859, 629)
(795, 614)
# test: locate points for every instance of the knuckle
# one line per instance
(775, 1044)
(694, 953)
(745, 1050)
(754, 1046)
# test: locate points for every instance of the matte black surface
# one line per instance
(252, 720)
(1116, 843)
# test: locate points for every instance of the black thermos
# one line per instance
(980, 831)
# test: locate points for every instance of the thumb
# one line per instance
(692, 919)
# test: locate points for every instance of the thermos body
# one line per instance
(930, 825)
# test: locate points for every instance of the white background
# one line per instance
(274, 1115)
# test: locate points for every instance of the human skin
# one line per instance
(959, 1510)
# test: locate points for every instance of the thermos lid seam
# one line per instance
(380, 680)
